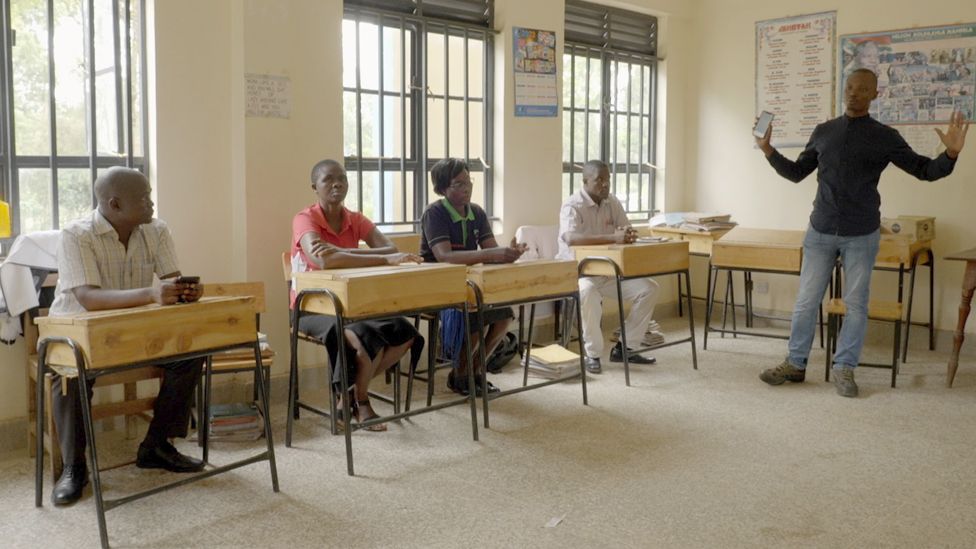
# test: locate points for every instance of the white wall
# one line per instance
(728, 173)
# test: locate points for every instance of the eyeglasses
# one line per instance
(461, 184)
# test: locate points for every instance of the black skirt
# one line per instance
(375, 335)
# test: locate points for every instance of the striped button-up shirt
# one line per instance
(90, 254)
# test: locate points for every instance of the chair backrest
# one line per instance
(286, 266)
(542, 241)
(406, 243)
(255, 289)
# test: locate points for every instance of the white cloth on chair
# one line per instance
(18, 287)
(541, 240)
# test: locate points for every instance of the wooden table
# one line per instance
(505, 285)
(373, 293)
(752, 250)
(626, 261)
(968, 286)
(98, 343)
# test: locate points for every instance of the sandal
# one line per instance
(377, 427)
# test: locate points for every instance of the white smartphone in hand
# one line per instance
(762, 125)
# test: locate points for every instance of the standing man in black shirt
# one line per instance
(849, 154)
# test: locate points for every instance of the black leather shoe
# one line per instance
(593, 365)
(70, 485)
(458, 385)
(632, 357)
(479, 390)
(165, 456)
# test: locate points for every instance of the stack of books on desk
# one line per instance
(698, 221)
(553, 362)
(235, 422)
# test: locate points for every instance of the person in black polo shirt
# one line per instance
(849, 154)
(457, 231)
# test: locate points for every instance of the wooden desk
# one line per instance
(503, 285)
(968, 286)
(404, 242)
(699, 242)
(372, 293)
(752, 250)
(626, 261)
(384, 290)
(99, 343)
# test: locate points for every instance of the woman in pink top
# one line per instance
(326, 235)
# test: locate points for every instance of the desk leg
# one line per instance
(911, 299)
(931, 300)
(579, 322)
(526, 354)
(968, 285)
(691, 318)
(262, 391)
(623, 331)
(710, 297)
(86, 415)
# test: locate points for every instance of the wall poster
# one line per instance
(794, 74)
(535, 72)
(924, 74)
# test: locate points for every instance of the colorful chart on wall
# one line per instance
(795, 74)
(535, 72)
(924, 75)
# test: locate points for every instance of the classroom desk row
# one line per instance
(95, 344)
(774, 251)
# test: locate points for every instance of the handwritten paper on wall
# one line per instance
(268, 96)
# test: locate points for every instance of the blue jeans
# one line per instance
(820, 253)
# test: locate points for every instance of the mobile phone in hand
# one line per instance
(762, 125)
(186, 280)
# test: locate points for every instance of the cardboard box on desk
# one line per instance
(913, 227)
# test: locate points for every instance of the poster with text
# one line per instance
(924, 75)
(795, 74)
(535, 72)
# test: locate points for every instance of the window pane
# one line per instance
(370, 120)
(394, 124)
(596, 83)
(455, 63)
(567, 189)
(107, 121)
(478, 188)
(71, 92)
(435, 129)
(399, 197)
(579, 83)
(476, 128)
(74, 194)
(567, 138)
(476, 67)
(392, 57)
(36, 212)
(349, 146)
(32, 127)
(579, 137)
(348, 53)
(369, 60)
(595, 136)
(435, 63)
(456, 129)
(636, 131)
(137, 76)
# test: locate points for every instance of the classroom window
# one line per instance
(74, 103)
(609, 93)
(416, 88)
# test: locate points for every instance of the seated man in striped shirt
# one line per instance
(108, 260)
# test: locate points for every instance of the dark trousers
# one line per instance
(171, 413)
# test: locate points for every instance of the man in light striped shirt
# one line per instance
(108, 260)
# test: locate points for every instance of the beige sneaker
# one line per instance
(783, 373)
